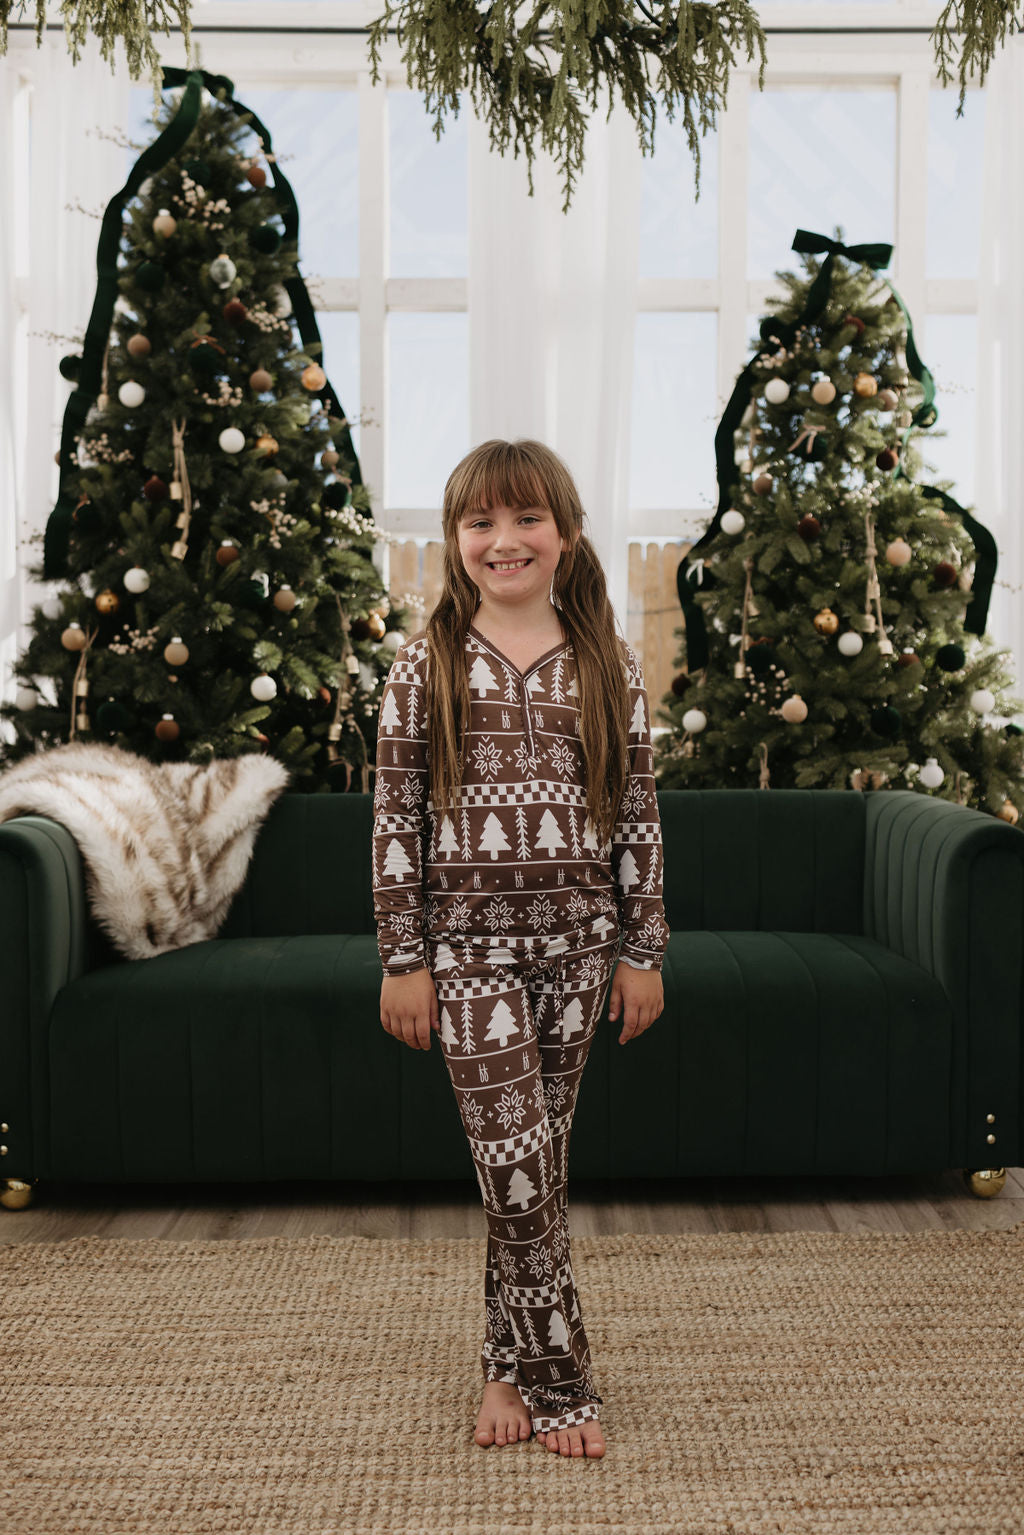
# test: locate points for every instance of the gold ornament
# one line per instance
(165, 224)
(267, 444)
(763, 484)
(329, 459)
(167, 728)
(377, 626)
(313, 377)
(73, 637)
(284, 599)
(139, 345)
(260, 380)
(107, 601)
(176, 652)
(823, 392)
(1009, 812)
(826, 621)
(865, 385)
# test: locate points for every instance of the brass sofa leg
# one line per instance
(986, 1182)
(17, 1193)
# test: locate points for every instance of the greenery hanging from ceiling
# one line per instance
(982, 24)
(133, 21)
(533, 73)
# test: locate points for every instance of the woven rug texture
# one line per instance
(753, 1383)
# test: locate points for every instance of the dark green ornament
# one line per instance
(150, 276)
(199, 170)
(1013, 730)
(204, 358)
(886, 721)
(335, 495)
(250, 594)
(950, 657)
(265, 239)
(87, 518)
(112, 717)
(70, 366)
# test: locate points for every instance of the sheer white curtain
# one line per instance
(10, 579)
(1000, 442)
(552, 299)
(71, 106)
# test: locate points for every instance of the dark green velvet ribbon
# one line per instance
(775, 332)
(154, 158)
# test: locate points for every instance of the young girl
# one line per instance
(516, 847)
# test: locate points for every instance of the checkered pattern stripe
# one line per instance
(452, 989)
(543, 791)
(639, 831)
(504, 1153)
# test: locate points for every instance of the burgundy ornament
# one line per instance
(944, 574)
(155, 489)
(809, 528)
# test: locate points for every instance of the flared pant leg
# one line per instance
(515, 1038)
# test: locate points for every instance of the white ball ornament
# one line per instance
(899, 552)
(136, 580)
(794, 710)
(931, 775)
(232, 440)
(982, 700)
(733, 522)
(131, 394)
(850, 643)
(367, 676)
(263, 688)
(223, 271)
(694, 720)
(776, 391)
(280, 302)
(26, 698)
(52, 608)
(392, 640)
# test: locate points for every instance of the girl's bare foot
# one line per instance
(588, 1439)
(503, 1418)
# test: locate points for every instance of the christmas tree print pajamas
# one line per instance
(519, 915)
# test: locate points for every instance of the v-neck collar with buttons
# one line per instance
(554, 651)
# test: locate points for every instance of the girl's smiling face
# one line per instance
(511, 553)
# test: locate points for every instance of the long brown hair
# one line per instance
(522, 474)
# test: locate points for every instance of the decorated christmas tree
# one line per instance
(211, 543)
(835, 607)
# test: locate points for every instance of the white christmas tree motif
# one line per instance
(558, 1333)
(490, 1188)
(520, 1189)
(522, 840)
(467, 846)
(447, 1035)
(396, 861)
(413, 699)
(572, 1018)
(574, 837)
(544, 1186)
(654, 873)
(557, 945)
(483, 1188)
(467, 1031)
(535, 685)
(515, 1333)
(535, 1343)
(557, 694)
(628, 873)
(481, 678)
(572, 691)
(493, 840)
(390, 718)
(502, 956)
(589, 836)
(502, 1024)
(638, 725)
(549, 837)
(447, 842)
(575, 1309)
(602, 927)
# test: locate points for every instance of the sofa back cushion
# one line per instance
(785, 859)
(310, 870)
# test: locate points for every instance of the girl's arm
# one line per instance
(636, 851)
(400, 796)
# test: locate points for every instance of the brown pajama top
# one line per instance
(516, 872)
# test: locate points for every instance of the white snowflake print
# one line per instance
(498, 914)
(488, 759)
(473, 1115)
(563, 759)
(405, 924)
(634, 802)
(556, 1092)
(495, 1321)
(538, 1098)
(539, 1263)
(559, 1240)
(409, 793)
(381, 795)
(592, 969)
(458, 913)
(526, 765)
(587, 1376)
(578, 909)
(653, 934)
(510, 1109)
(542, 912)
(507, 1263)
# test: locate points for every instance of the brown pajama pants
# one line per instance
(517, 1018)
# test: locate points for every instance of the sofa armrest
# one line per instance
(944, 887)
(43, 923)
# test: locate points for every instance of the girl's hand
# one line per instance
(640, 996)
(408, 1007)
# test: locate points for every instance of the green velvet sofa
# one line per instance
(843, 990)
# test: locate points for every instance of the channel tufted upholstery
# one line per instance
(843, 994)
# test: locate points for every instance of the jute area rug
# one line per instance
(752, 1383)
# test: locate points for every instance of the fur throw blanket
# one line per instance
(165, 846)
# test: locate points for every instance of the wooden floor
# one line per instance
(185, 1212)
